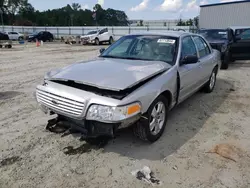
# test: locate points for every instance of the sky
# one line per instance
(137, 9)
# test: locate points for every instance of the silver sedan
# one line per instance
(135, 82)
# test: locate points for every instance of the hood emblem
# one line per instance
(54, 102)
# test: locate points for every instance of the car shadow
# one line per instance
(9, 95)
(184, 122)
(239, 64)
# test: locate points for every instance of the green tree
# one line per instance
(181, 23)
(196, 21)
(76, 6)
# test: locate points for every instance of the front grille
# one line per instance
(85, 38)
(59, 103)
(216, 46)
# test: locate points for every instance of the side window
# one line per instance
(15, 33)
(188, 47)
(101, 32)
(202, 46)
(244, 34)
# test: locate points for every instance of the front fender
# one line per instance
(147, 93)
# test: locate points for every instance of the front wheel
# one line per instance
(97, 42)
(209, 87)
(151, 127)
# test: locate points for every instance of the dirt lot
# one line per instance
(31, 157)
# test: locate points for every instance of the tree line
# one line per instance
(21, 12)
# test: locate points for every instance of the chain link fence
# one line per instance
(78, 31)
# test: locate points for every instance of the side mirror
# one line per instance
(102, 50)
(189, 59)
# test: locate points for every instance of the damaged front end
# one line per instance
(87, 129)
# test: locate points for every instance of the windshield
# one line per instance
(92, 32)
(215, 34)
(143, 47)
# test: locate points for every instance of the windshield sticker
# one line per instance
(222, 33)
(169, 41)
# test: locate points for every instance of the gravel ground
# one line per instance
(32, 157)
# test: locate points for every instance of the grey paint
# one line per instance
(112, 74)
(225, 15)
(198, 73)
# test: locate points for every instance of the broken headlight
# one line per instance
(110, 113)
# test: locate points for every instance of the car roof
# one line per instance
(239, 27)
(166, 33)
(211, 29)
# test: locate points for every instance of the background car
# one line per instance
(97, 37)
(219, 40)
(15, 35)
(4, 40)
(42, 35)
(233, 43)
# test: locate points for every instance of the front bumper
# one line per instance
(88, 41)
(88, 128)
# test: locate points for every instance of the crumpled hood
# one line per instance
(111, 74)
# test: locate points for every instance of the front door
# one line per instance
(103, 35)
(240, 49)
(190, 73)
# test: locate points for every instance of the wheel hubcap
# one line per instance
(157, 118)
(212, 80)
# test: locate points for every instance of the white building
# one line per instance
(223, 15)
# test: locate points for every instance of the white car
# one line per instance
(15, 35)
(97, 37)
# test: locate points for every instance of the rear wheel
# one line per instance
(209, 87)
(111, 40)
(152, 126)
(20, 38)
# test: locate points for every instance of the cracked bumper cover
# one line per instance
(91, 128)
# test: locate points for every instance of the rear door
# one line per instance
(206, 59)
(190, 73)
(240, 48)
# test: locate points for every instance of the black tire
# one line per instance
(1, 46)
(225, 62)
(209, 87)
(20, 38)
(224, 65)
(97, 42)
(142, 127)
(111, 40)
